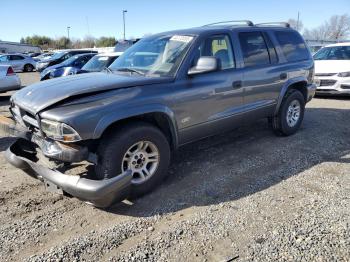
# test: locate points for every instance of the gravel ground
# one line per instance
(242, 196)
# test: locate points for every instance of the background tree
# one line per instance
(105, 41)
(62, 43)
(88, 42)
(336, 28)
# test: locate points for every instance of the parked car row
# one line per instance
(65, 68)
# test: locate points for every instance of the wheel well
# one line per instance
(300, 86)
(159, 120)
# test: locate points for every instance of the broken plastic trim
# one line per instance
(100, 193)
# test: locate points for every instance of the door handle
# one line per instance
(283, 76)
(237, 84)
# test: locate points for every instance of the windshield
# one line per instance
(156, 56)
(57, 55)
(97, 63)
(333, 53)
(70, 60)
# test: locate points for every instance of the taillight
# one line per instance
(10, 71)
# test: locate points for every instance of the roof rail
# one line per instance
(234, 22)
(284, 24)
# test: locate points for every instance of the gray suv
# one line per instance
(167, 90)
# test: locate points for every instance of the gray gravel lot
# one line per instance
(246, 195)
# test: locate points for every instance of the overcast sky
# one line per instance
(104, 17)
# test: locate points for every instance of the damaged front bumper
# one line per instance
(21, 154)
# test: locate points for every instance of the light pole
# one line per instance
(298, 22)
(124, 11)
(68, 27)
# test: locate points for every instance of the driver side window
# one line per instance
(218, 46)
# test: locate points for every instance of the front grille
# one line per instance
(326, 90)
(325, 74)
(30, 120)
(345, 86)
(24, 117)
(327, 82)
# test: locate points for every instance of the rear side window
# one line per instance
(16, 57)
(254, 49)
(292, 45)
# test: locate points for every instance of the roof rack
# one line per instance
(233, 22)
(284, 24)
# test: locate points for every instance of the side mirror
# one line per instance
(204, 64)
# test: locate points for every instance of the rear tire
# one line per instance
(28, 68)
(290, 115)
(134, 147)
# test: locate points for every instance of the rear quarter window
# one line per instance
(292, 45)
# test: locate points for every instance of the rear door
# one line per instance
(263, 77)
(208, 103)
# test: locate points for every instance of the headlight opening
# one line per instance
(59, 131)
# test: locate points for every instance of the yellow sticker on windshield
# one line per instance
(181, 38)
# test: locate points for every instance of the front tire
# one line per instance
(139, 147)
(290, 115)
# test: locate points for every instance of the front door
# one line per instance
(207, 103)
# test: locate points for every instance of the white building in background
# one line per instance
(14, 47)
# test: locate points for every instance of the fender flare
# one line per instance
(113, 117)
(285, 88)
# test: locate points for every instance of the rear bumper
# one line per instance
(311, 90)
(23, 155)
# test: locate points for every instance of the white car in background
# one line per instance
(19, 62)
(8, 79)
(332, 69)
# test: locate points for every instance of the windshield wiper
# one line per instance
(131, 70)
(107, 69)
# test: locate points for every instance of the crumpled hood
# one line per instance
(39, 96)
(332, 66)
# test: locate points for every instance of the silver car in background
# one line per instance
(19, 62)
(8, 79)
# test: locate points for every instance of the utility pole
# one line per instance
(298, 22)
(124, 11)
(68, 27)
